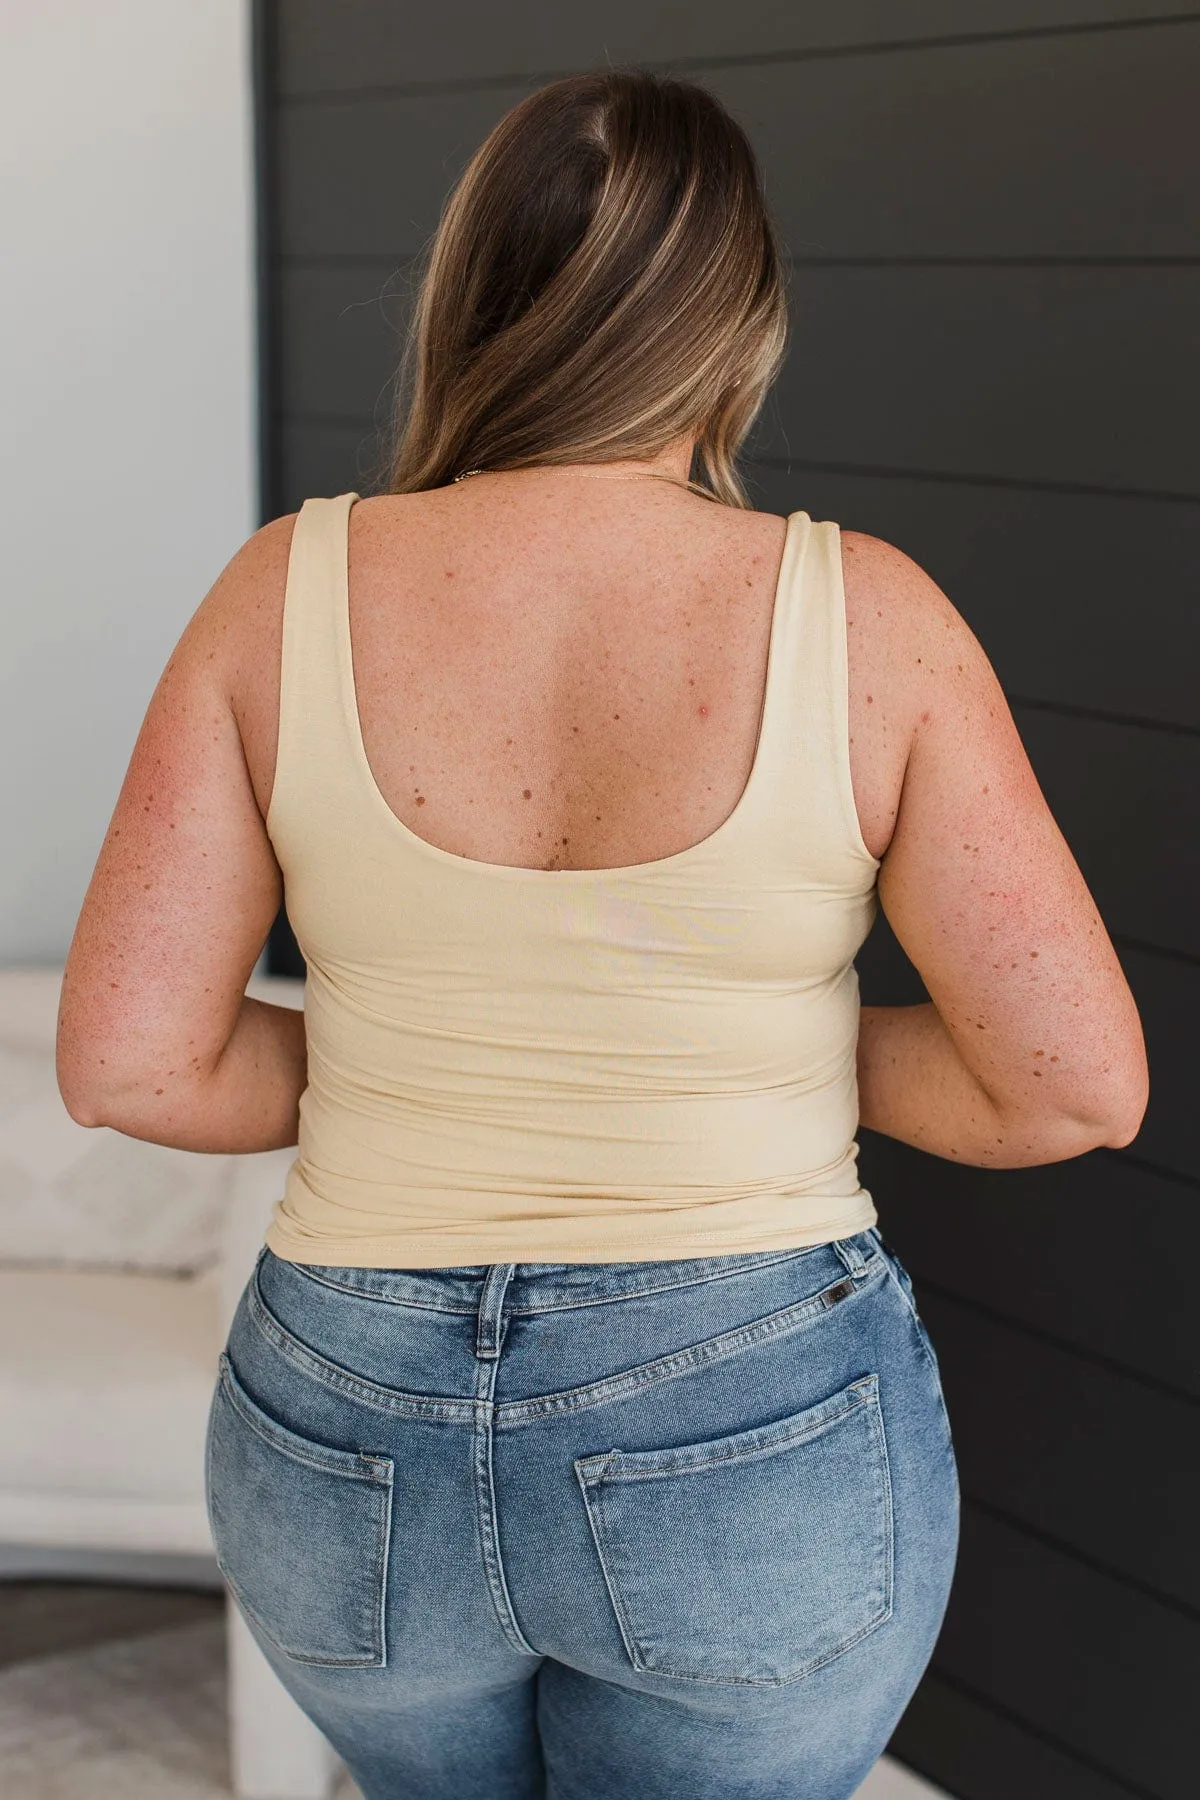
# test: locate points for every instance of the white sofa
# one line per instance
(105, 1380)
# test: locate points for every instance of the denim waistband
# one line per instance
(486, 1288)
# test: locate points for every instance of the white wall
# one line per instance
(127, 451)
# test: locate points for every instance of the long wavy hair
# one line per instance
(605, 280)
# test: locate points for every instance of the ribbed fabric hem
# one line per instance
(429, 1250)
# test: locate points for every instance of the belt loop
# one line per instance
(850, 1256)
(491, 1309)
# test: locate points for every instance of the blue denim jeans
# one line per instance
(675, 1530)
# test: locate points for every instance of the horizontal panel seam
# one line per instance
(965, 478)
(1124, 941)
(683, 1362)
(405, 259)
(1094, 1564)
(1069, 709)
(999, 1710)
(450, 85)
(820, 466)
(1024, 1328)
(1165, 1171)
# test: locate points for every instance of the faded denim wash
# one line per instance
(590, 1531)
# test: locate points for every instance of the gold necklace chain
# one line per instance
(630, 474)
(587, 475)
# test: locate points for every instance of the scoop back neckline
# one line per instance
(520, 871)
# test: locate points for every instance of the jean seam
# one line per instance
(797, 1317)
(449, 1410)
(930, 1360)
(281, 1445)
(486, 1512)
(769, 1260)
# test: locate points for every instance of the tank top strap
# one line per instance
(805, 740)
(314, 764)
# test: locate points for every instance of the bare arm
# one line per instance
(157, 1037)
(1031, 1049)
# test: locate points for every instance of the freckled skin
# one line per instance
(579, 607)
(966, 768)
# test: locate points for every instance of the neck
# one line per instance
(674, 463)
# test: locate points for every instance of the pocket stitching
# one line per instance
(623, 1626)
(621, 1465)
(287, 1442)
(379, 1476)
(883, 1500)
(300, 1656)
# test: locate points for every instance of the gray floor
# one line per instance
(47, 1618)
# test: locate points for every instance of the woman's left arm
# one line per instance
(156, 1037)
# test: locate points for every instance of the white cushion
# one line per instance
(94, 1197)
(80, 1197)
(105, 1385)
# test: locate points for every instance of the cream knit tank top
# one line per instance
(581, 1065)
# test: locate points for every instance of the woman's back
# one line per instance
(556, 671)
(564, 670)
(649, 1053)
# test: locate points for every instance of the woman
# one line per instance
(577, 1434)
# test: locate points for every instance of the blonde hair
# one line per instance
(605, 280)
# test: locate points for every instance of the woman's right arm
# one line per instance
(1032, 1049)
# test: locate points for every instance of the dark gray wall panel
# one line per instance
(1049, 375)
(322, 459)
(919, 175)
(1168, 997)
(966, 1747)
(369, 177)
(1092, 1255)
(1087, 1660)
(1000, 374)
(886, 977)
(883, 189)
(341, 336)
(368, 43)
(1079, 599)
(1127, 800)
(1050, 1439)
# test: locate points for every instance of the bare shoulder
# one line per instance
(903, 629)
(240, 620)
(237, 633)
(884, 582)
(255, 576)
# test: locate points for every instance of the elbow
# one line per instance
(1134, 1101)
(1128, 1123)
(1057, 1137)
(75, 1071)
(81, 1108)
(86, 1100)
(1122, 1118)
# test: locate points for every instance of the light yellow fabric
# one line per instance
(589, 1065)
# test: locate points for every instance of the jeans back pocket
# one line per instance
(301, 1532)
(757, 1557)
